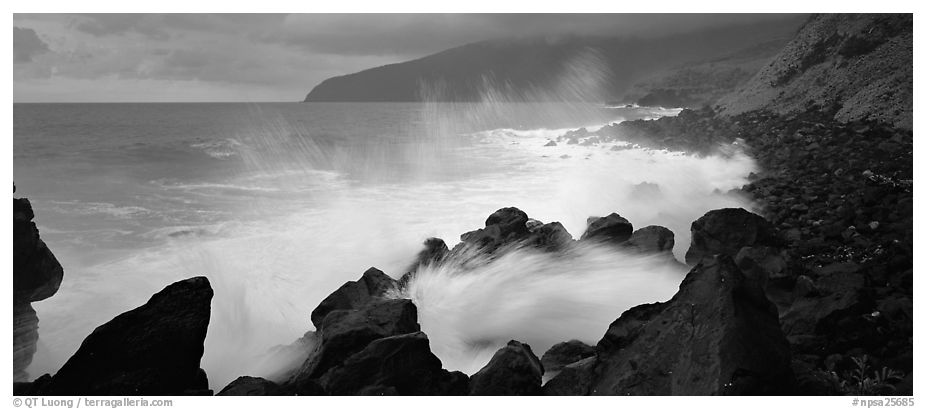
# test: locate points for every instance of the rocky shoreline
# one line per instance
(841, 195)
(746, 320)
(812, 296)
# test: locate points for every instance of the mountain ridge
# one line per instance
(568, 68)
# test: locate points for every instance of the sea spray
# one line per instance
(471, 309)
(298, 215)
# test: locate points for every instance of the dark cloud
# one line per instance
(420, 34)
(284, 54)
(27, 44)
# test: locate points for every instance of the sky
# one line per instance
(268, 57)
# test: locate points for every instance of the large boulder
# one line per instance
(574, 379)
(154, 349)
(652, 239)
(510, 228)
(505, 226)
(397, 365)
(719, 335)
(565, 353)
(251, 386)
(36, 276)
(345, 332)
(726, 231)
(551, 236)
(611, 229)
(513, 370)
(762, 263)
(510, 221)
(354, 294)
(36, 272)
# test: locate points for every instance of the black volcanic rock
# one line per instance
(513, 370)
(509, 229)
(354, 294)
(345, 332)
(36, 272)
(510, 221)
(762, 262)
(397, 365)
(373, 348)
(33, 388)
(611, 229)
(154, 349)
(718, 335)
(505, 226)
(565, 353)
(36, 276)
(550, 236)
(251, 386)
(433, 253)
(574, 379)
(842, 195)
(726, 231)
(652, 239)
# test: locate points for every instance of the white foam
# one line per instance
(271, 269)
(533, 297)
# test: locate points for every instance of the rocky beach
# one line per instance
(810, 293)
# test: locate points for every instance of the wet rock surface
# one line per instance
(840, 196)
(345, 332)
(718, 335)
(370, 344)
(652, 239)
(509, 229)
(727, 231)
(36, 276)
(574, 379)
(565, 353)
(812, 293)
(513, 370)
(398, 365)
(610, 229)
(154, 349)
(251, 386)
(36, 272)
(354, 294)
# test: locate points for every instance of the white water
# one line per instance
(268, 277)
(269, 274)
(537, 298)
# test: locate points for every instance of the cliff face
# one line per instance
(858, 66)
(594, 68)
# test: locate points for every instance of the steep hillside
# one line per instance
(858, 66)
(578, 68)
(703, 83)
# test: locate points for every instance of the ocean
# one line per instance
(278, 204)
